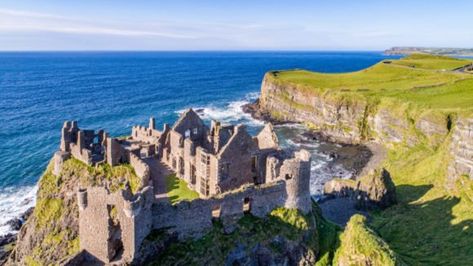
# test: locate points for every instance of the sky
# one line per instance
(32, 25)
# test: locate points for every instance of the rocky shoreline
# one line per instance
(6, 241)
(359, 158)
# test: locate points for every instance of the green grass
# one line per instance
(177, 190)
(429, 226)
(328, 238)
(427, 61)
(359, 245)
(424, 85)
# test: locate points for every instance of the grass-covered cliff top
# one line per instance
(425, 80)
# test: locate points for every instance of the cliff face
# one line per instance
(347, 118)
(286, 102)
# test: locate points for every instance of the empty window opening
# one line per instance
(216, 212)
(181, 166)
(247, 205)
(254, 161)
(115, 242)
(288, 176)
(187, 133)
(193, 176)
(195, 131)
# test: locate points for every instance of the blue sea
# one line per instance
(116, 90)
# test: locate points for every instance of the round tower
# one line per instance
(296, 172)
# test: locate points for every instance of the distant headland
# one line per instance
(401, 50)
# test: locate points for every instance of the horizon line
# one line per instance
(202, 50)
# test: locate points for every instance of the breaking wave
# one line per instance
(13, 203)
(230, 113)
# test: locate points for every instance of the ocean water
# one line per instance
(116, 90)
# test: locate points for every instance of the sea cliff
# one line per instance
(420, 108)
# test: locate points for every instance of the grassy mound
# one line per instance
(177, 190)
(359, 245)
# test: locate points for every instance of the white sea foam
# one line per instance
(13, 203)
(230, 113)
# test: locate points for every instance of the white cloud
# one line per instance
(24, 21)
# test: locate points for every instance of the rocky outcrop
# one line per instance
(375, 190)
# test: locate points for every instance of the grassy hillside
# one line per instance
(423, 80)
(430, 225)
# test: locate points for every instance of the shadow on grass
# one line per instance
(177, 190)
(427, 232)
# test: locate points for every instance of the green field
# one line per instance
(177, 190)
(431, 84)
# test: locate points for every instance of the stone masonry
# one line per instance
(233, 172)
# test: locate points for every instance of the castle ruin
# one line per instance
(233, 173)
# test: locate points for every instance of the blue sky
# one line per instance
(233, 25)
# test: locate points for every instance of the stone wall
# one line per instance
(81, 154)
(112, 226)
(461, 150)
(194, 218)
(141, 169)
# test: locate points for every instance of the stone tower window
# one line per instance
(246, 205)
(187, 133)
(216, 211)
(195, 131)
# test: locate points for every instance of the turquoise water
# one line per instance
(115, 91)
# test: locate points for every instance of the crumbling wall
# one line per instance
(145, 134)
(192, 219)
(81, 154)
(461, 150)
(141, 169)
(112, 226)
(237, 160)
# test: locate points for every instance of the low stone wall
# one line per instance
(141, 169)
(461, 150)
(194, 218)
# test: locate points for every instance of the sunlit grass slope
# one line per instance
(424, 80)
